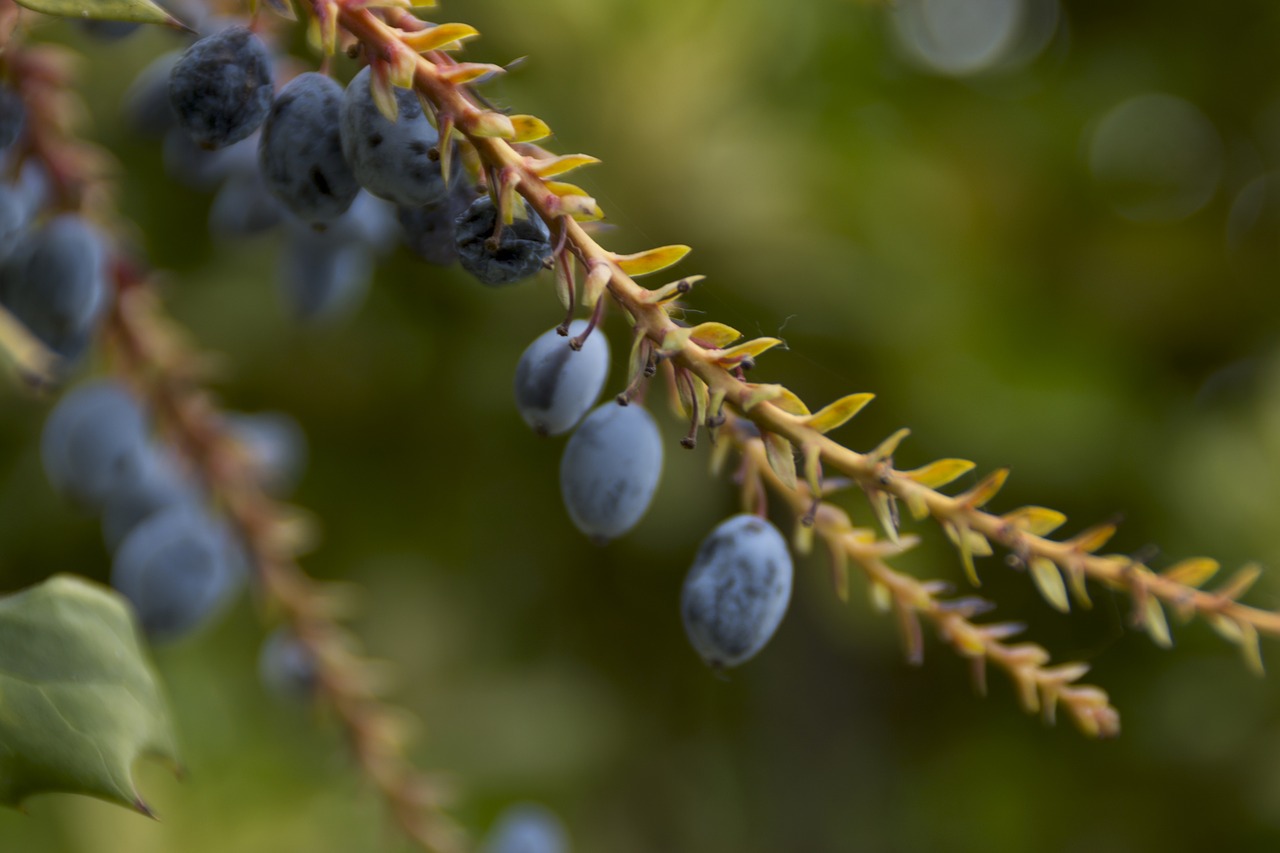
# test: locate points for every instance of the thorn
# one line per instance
(143, 809)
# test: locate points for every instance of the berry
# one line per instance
(243, 207)
(146, 102)
(155, 485)
(737, 591)
(277, 446)
(286, 667)
(301, 150)
(94, 439)
(55, 282)
(555, 385)
(390, 159)
(522, 249)
(220, 88)
(322, 278)
(13, 117)
(610, 470)
(178, 568)
(527, 828)
(429, 231)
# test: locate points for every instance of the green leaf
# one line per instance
(142, 11)
(79, 703)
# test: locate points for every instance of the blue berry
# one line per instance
(286, 667)
(220, 88)
(276, 444)
(392, 160)
(737, 591)
(322, 278)
(178, 568)
(429, 231)
(522, 249)
(610, 469)
(527, 828)
(13, 117)
(156, 485)
(93, 440)
(301, 150)
(243, 207)
(55, 282)
(146, 102)
(554, 385)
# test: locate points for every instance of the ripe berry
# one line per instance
(556, 385)
(220, 88)
(521, 250)
(610, 470)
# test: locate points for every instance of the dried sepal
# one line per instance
(781, 458)
(1036, 520)
(529, 128)
(939, 473)
(735, 356)
(1048, 580)
(466, 72)
(561, 165)
(652, 260)
(1193, 572)
(838, 413)
(438, 36)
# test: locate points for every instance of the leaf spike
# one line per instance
(1193, 572)
(438, 36)
(529, 128)
(1048, 581)
(1240, 582)
(889, 446)
(939, 473)
(652, 260)
(714, 335)
(838, 413)
(467, 72)
(674, 290)
(1090, 540)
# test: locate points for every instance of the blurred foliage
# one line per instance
(948, 242)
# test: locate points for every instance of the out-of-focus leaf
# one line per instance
(141, 11)
(1049, 581)
(653, 260)
(79, 703)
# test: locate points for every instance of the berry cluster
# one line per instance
(175, 559)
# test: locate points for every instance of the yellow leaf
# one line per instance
(1240, 582)
(466, 72)
(734, 356)
(881, 597)
(1092, 539)
(938, 474)
(674, 340)
(581, 208)
(402, 65)
(959, 534)
(1227, 628)
(829, 417)
(781, 458)
(561, 189)
(802, 539)
(1155, 623)
(714, 335)
(889, 446)
(840, 572)
(1250, 648)
(597, 279)
(884, 508)
(643, 263)
(790, 403)
(1076, 579)
(986, 489)
(562, 164)
(384, 96)
(759, 394)
(1049, 581)
(674, 290)
(438, 36)
(530, 128)
(1193, 572)
(1036, 520)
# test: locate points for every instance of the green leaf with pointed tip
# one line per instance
(141, 11)
(79, 703)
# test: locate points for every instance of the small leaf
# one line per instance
(490, 124)
(715, 335)
(529, 128)
(1240, 582)
(466, 72)
(674, 340)
(885, 511)
(561, 189)
(987, 489)
(959, 534)
(383, 93)
(1092, 539)
(597, 280)
(840, 572)
(561, 165)
(781, 458)
(438, 36)
(1251, 649)
(1076, 580)
(1155, 624)
(653, 260)
(581, 208)
(760, 394)
(802, 538)
(1193, 572)
(938, 474)
(1036, 520)
(790, 403)
(1049, 581)
(881, 597)
(79, 702)
(734, 356)
(829, 417)
(889, 446)
(140, 11)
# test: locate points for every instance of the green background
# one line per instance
(941, 241)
